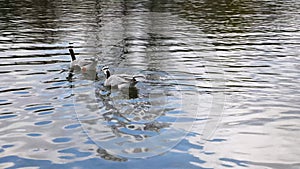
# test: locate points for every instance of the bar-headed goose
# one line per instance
(120, 81)
(83, 64)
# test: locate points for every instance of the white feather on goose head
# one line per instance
(105, 70)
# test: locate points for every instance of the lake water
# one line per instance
(219, 84)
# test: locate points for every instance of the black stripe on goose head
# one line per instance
(106, 71)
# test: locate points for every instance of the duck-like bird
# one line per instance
(119, 81)
(84, 64)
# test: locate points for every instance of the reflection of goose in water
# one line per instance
(125, 127)
(83, 64)
(107, 156)
(133, 121)
(119, 81)
(136, 112)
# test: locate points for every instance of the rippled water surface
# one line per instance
(218, 84)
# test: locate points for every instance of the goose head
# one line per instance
(106, 71)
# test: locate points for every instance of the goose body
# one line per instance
(83, 64)
(119, 81)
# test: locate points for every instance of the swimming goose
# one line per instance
(118, 80)
(84, 65)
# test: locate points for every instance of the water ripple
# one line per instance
(246, 51)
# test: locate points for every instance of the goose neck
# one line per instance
(107, 74)
(72, 54)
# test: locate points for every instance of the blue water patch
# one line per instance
(66, 157)
(175, 112)
(217, 140)
(166, 119)
(7, 116)
(20, 92)
(68, 105)
(72, 126)
(37, 108)
(237, 162)
(89, 141)
(45, 113)
(185, 146)
(166, 161)
(209, 153)
(227, 165)
(75, 152)
(23, 162)
(61, 140)
(7, 146)
(201, 119)
(42, 123)
(34, 134)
